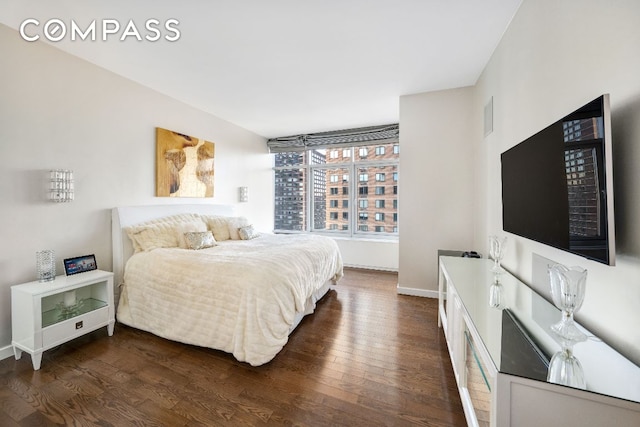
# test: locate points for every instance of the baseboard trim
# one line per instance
(417, 292)
(369, 267)
(6, 352)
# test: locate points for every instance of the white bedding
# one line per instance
(241, 296)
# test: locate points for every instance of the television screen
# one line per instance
(557, 184)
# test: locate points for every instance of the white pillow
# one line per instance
(187, 227)
(157, 233)
(235, 223)
(218, 226)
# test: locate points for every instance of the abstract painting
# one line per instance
(184, 165)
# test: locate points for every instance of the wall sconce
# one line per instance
(243, 194)
(61, 189)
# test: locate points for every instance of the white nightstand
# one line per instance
(43, 314)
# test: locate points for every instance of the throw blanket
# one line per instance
(241, 296)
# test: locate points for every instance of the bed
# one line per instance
(241, 296)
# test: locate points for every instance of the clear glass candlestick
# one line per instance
(496, 250)
(565, 369)
(568, 286)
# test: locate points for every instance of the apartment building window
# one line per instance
(313, 173)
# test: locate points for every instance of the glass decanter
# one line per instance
(496, 250)
(568, 287)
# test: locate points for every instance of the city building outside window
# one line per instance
(313, 189)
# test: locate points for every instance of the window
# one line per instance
(395, 203)
(395, 176)
(396, 149)
(314, 190)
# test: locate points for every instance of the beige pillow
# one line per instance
(187, 227)
(199, 239)
(218, 226)
(235, 223)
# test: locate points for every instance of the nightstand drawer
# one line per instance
(74, 327)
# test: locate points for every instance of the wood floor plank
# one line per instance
(366, 357)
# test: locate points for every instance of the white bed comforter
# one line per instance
(240, 297)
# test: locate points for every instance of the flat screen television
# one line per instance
(557, 185)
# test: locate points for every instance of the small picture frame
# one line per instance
(80, 264)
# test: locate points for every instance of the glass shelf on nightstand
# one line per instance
(58, 314)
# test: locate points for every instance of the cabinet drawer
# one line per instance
(72, 328)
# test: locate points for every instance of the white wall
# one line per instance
(436, 172)
(57, 111)
(555, 57)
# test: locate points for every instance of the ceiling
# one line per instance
(283, 67)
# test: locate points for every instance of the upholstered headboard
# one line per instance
(126, 216)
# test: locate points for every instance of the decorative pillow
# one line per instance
(235, 223)
(218, 226)
(157, 233)
(199, 239)
(247, 233)
(185, 227)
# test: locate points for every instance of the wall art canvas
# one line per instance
(184, 165)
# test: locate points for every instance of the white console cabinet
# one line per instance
(47, 314)
(500, 346)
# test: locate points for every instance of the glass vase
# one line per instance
(46, 265)
(568, 286)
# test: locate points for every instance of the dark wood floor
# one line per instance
(366, 357)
